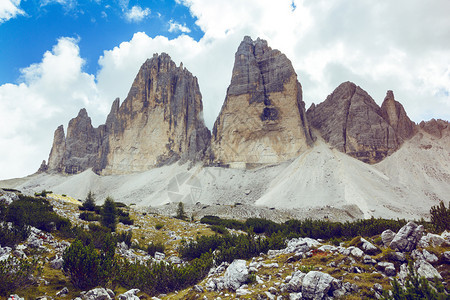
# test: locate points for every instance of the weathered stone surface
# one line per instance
(316, 285)
(98, 294)
(263, 117)
(159, 122)
(235, 275)
(130, 295)
(437, 128)
(407, 237)
(394, 113)
(426, 270)
(387, 236)
(351, 121)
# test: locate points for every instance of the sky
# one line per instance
(58, 56)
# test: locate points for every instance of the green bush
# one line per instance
(440, 217)
(15, 274)
(159, 226)
(229, 223)
(12, 235)
(124, 217)
(37, 212)
(89, 216)
(89, 202)
(181, 214)
(158, 278)
(87, 267)
(152, 248)
(125, 236)
(43, 193)
(109, 214)
(219, 229)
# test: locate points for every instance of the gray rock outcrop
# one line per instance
(160, 122)
(316, 285)
(407, 237)
(437, 128)
(263, 117)
(351, 121)
(394, 113)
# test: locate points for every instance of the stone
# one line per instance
(57, 263)
(368, 247)
(97, 294)
(431, 239)
(242, 292)
(350, 121)
(295, 296)
(426, 270)
(387, 267)
(63, 292)
(235, 275)
(367, 259)
(437, 128)
(15, 297)
(394, 113)
(387, 236)
(295, 282)
(159, 255)
(357, 252)
(263, 119)
(429, 257)
(446, 256)
(407, 237)
(130, 295)
(316, 285)
(160, 122)
(269, 296)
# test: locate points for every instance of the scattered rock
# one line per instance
(130, 295)
(63, 292)
(407, 237)
(316, 285)
(98, 294)
(387, 236)
(425, 269)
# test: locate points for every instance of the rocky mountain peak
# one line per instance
(159, 122)
(351, 121)
(394, 113)
(438, 128)
(263, 117)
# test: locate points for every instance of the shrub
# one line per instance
(219, 229)
(42, 194)
(159, 226)
(181, 214)
(124, 217)
(229, 223)
(152, 248)
(11, 234)
(89, 202)
(16, 274)
(88, 268)
(35, 212)
(125, 236)
(157, 278)
(109, 214)
(440, 217)
(89, 216)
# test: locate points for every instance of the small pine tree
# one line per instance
(181, 214)
(89, 203)
(109, 214)
(440, 217)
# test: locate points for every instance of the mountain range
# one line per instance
(346, 157)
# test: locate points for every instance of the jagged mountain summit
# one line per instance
(351, 121)
(344, 158)
(263, 118)
(159, 122)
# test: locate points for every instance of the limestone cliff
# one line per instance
(394, 113)
(438, 128)
(263, 117)
(351, 121)
(159, 122)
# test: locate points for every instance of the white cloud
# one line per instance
(402, 46)
(52, 91)
(9, 9)
(175, 27)
(136, 13)
(67, 4)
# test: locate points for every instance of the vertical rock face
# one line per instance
(159, 122)
(351, 121)
(394, 113)
(56, 158)
(263, 117)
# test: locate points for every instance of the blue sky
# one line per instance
(98, 25)
(58, 56)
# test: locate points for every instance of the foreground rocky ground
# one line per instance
(305, 269)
